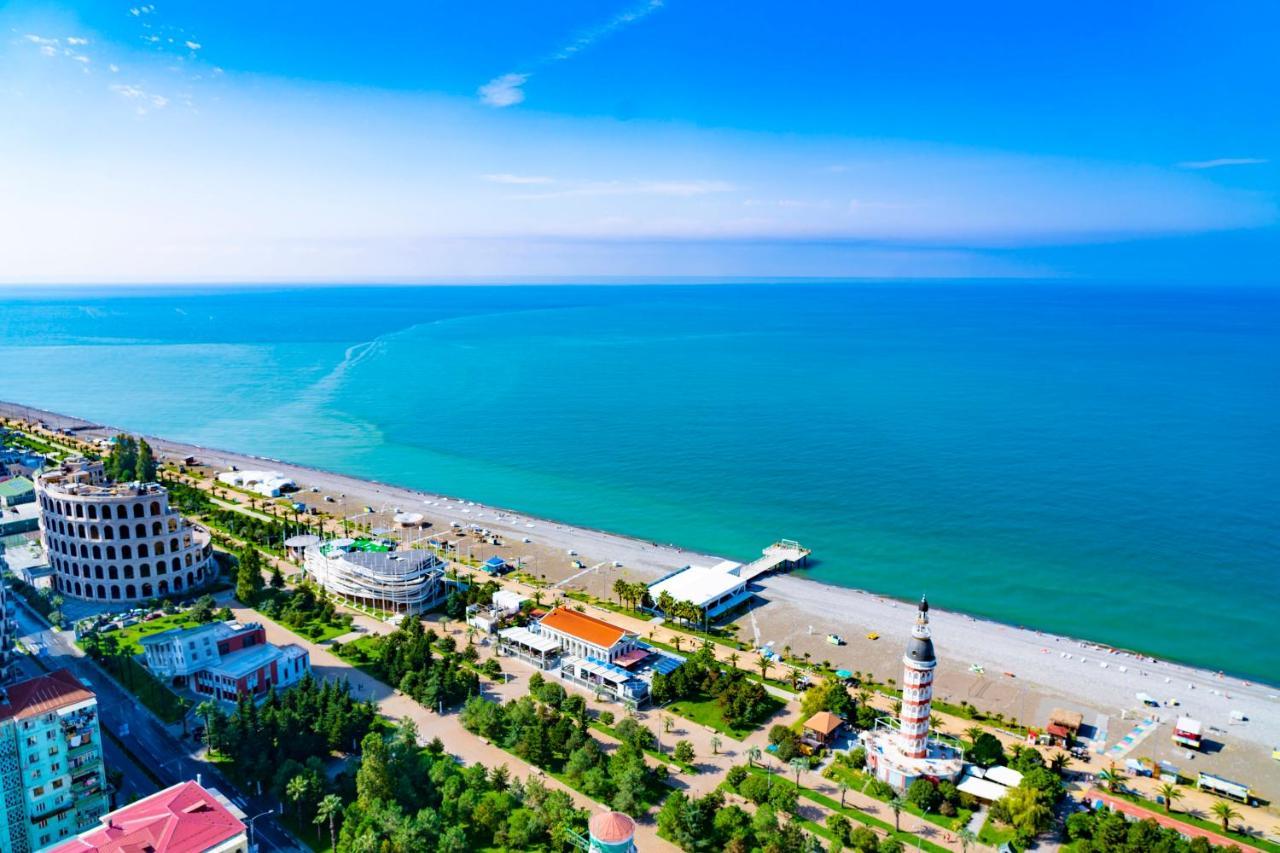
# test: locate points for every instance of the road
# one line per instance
(167, 757)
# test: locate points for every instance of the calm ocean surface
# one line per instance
(1092, 460)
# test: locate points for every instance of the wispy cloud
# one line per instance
(675, 189)
(517, 179)
(146, 100)
(76, 41)
(35, 39)
(506, 90)
(1222, 161)
(193, 45)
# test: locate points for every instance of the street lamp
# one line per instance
(250, 822)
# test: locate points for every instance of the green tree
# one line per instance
(1225, 812)
(986, 750)
(144, 470)
(374, 780)
(249, 575)
(298, 791)
(327, 812)
(896, 805)
(923, 795)
(1169, 792)
(684, 752)
(277, 579)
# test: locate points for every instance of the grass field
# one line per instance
(129, 637)
(908, 839)
(706, 712)
(859, 782)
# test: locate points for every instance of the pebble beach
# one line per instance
(1017, 671)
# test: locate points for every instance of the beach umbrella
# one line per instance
(843, 674)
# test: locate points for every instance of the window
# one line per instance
(37, 791)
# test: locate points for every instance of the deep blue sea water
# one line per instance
(1094, 460)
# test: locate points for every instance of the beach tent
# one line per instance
(843, 674)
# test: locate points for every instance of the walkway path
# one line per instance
(395, 705)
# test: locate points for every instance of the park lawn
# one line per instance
(365, 654)
(992, 834)
(652, 753)
(707, 712)
(609, 605)
(129, 637)
(908, 839)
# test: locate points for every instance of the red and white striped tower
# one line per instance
(917, 688)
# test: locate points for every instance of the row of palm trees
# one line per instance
(635, 595)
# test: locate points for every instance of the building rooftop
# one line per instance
(240, 663)
(700, 584)
(182, 819)
(1070, 719)
(586, 628)
(823, 722)
(16, 487)
(611, 827)
(42, 694)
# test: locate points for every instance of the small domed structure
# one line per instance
(612, 832)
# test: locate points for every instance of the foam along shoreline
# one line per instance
(1046, 669)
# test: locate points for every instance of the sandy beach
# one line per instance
(1024, 673)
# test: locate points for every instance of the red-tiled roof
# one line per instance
(611, 827)
(1057, 730)
(586, 628)
(823, 722)
(42, 694)
(183, 819)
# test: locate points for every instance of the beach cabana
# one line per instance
(821, 730)
(495, 565)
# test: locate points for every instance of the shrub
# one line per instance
(736, 775)
(606, 718)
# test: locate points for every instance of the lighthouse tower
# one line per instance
(918, 663)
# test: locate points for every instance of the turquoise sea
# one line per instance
(1100, 461)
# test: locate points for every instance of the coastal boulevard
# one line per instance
(712, 763)
(169, 758)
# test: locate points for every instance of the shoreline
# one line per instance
(1025, 672)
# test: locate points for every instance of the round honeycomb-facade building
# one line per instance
(117, 542)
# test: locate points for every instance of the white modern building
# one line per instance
(370, 573)
(269, 484)
(715, 590)
(117, 541)
(225, 660)
(903, 752)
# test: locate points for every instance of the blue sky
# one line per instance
(234, 141)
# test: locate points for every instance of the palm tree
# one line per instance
(1112, 775)
(753, 755)
(733, 659)
(966, 837)
(183, 705)
(844, 789)
(972, 733)
(896, 805)
(1059, 762)
(715, 745)
(297, 791)
(765, 666)
(1225, 812)
(798, 764)
(1169, 792)
(328, 809)
(620, 589)
(207, 710)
